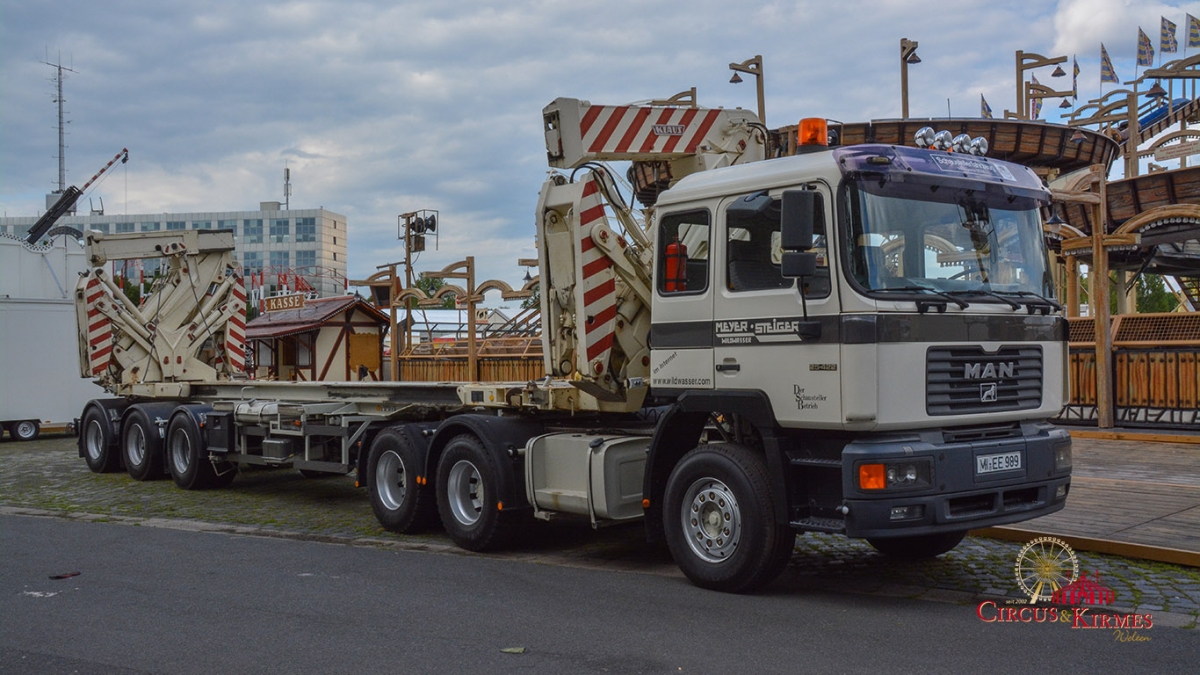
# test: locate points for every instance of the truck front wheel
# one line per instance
(467, 495)
(720, 520)
(96, 440)
(916, 548)
(399, 503)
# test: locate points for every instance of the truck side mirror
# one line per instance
(798, 264)
(798, 220)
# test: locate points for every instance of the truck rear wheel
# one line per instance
(24, 430)
(916, 548)
(186, 458)
(466, 496)
(99, 448)
(720, 520)
(399, 503)
(141, 446)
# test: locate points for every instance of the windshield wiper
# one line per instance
(981, 291)
(1036, 300)
(923, 305)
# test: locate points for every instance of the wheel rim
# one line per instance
(465, 490)
(25, 429)
(389, 480)
(94, 440)
(711, 520)
(135, 445)
(181, 451)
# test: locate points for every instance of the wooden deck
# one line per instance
(1136, 497)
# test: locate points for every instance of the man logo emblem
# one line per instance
(988, 392)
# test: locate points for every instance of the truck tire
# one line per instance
(96, 442)
(916, 548)
(720, 522)
(141, 446)
(466, 481)
(400, 505)
(186, 456)
(24, 430)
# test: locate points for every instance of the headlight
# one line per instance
(1062, 457)
(899, 474)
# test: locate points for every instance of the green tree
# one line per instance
(533, 300)
(430, 285)
(1153, 296)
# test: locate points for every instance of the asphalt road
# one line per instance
(151, 599)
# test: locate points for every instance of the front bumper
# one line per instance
(959, 497)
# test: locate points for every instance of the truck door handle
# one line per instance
(728, 367)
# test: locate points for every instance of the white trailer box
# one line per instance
(40, 384)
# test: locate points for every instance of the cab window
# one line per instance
(753, 251)
(683, 244)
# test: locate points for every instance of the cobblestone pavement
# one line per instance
(46, 477)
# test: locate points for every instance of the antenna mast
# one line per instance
(287, 188)
(62, 157)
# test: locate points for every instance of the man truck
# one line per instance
(859, 340)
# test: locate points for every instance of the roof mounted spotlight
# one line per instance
(961, 143)
(924, 137)
(942, 140)
(979, 146)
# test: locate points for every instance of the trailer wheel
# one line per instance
(97, 442)
(916, 548)
(186, 459)
(400, 505)
(467, 480)
(141, 446)
(720, 520)
(25, 430)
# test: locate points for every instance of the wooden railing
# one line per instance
(1156, 370)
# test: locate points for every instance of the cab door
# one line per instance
(757, 314)
(681, 355)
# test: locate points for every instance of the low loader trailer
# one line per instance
(859, 340)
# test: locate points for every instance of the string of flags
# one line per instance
(1167, 44)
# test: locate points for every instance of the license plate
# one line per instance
(1004, 461)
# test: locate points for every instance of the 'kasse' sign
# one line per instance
(282, 302)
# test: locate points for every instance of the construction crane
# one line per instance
(67, 201)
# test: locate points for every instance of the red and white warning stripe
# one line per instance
(235, 328)
(597, 282)
(99, 328)
(630, 129)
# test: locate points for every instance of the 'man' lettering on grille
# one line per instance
(989, 371)
(955, 374)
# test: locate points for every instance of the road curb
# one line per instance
(1124, 549)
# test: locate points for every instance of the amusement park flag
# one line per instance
(1036, 104)
(1106, 68)
(1074, 78)
(985, 110)
(1145, 50)
(1166, 37)
(1193, 31)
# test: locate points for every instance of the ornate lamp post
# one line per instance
(754, 67)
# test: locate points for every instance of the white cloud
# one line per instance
(382, 107)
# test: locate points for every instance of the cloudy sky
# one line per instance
(383, 107)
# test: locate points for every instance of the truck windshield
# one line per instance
(969, 243)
